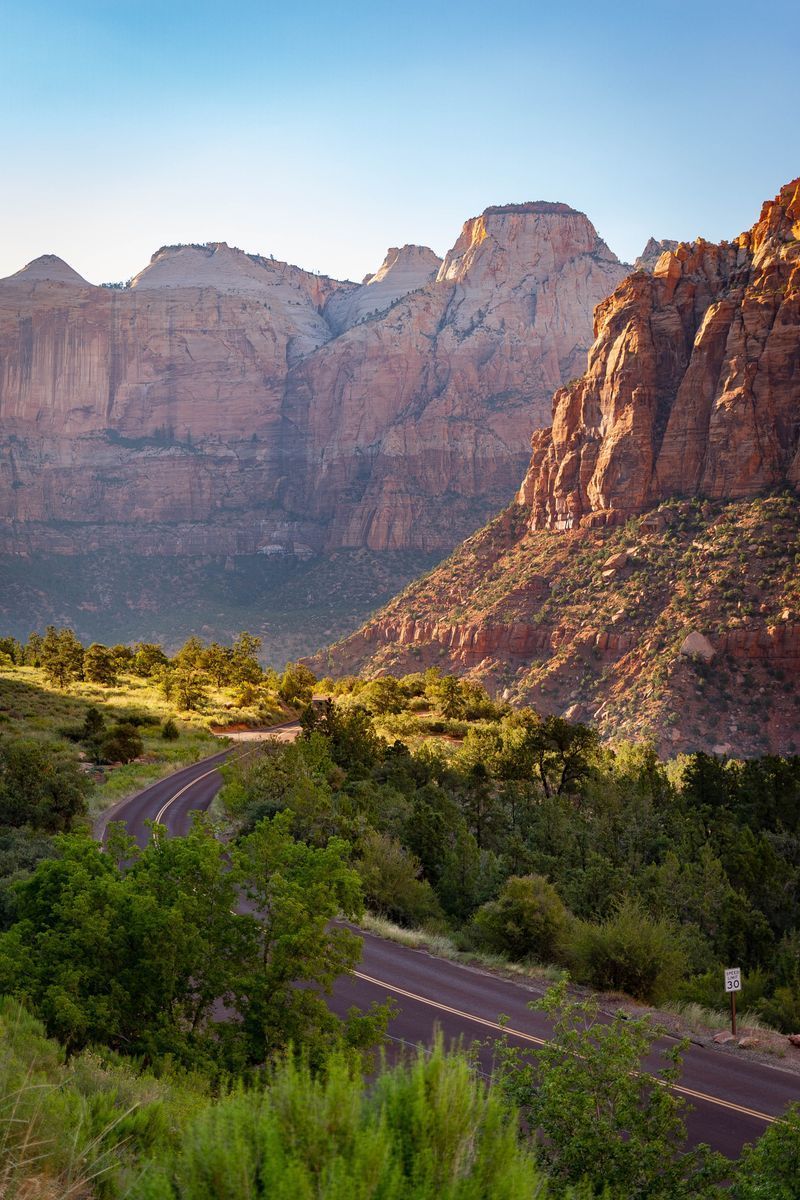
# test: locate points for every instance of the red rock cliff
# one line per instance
(692, 387)
(226, 403)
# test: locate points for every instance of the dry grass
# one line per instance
(30, 707)
(442, 946)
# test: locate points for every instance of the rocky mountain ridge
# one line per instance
(659, 514)
(226, 404)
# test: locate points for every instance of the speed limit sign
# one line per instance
(733, 979)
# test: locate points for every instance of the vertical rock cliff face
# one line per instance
(692, 387)
(660, 512)
(225, 403)
(409, 428)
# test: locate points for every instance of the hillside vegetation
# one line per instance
(198, 1069)
(591, 622)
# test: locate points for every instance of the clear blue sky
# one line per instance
(324, 132)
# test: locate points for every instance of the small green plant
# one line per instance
(169, 730)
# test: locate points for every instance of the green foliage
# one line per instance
(170, 731)
(296, 685)
(100, 665)
(628, 952)
(148, 658)
(599, 1115)
(39, 787)
(770, 1169)
(121, 744)
(140, 958)
(390, 877)
(185, 683)
(527, 920)
(61, 656)
(429, 1131)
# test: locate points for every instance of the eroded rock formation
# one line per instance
(226, 403)
(692, 387)
(646, 577)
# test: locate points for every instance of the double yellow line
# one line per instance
(205, 775)
(393, 989)
(537, 1041)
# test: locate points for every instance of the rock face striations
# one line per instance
(646, 576)
(692, 383)
(225, 404)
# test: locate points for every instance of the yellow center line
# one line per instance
(487, 1024)
(205, 775)
(177, 795)
(537, 1041)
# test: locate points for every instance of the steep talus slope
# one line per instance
(227, 405)
(661, 504)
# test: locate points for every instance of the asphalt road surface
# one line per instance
(734, 1100)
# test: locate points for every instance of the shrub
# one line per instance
(430, 1130)
(782, 1010)
(770, 1169)
(391, 880)
(528, 919)
(169, 730)
(629, 952)
(123, 744)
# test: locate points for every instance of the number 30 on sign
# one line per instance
(733, 979)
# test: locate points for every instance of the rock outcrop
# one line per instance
(685, 624)
(652, 253)
(225, 403)
(692, 383)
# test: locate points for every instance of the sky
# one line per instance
(323, 133)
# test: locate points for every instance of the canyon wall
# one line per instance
(227, 404)
(692, 386)
(659, 514)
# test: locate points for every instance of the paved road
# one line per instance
(734, 1099)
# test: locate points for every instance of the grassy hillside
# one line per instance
(30, 707)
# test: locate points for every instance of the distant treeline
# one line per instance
(184, 677)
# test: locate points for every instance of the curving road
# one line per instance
(734, 1100)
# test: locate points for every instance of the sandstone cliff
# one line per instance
(659, 513)
(652, 253)
(692, 383)
(225, 403)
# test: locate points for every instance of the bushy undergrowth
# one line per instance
(529, 839)
(94, 1127)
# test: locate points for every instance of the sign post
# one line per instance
(733, 984)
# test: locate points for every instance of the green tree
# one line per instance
(100, 665)
(629, 952)
(123, 657)
(383, 695)
(148, 659)
(296, 890)
(144, 951)
(392, 883)
(33, 650)
(186, 684)
(245, 667)
(122, 744)
(39, 787)
(216, 660)
(770, 1169)
(528, 919)
(599, 1114)
(61, 657)
(446, 693)
(296, 685)
(191, 652)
